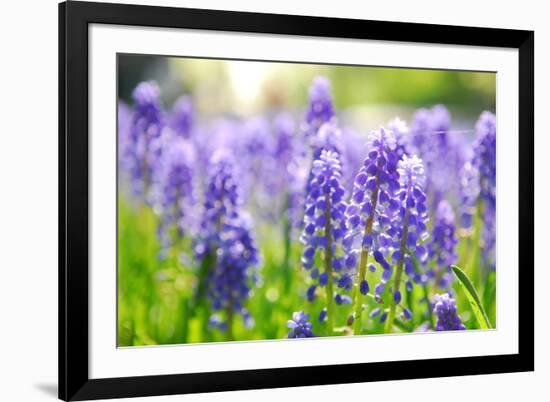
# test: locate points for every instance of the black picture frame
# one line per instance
(74, 19)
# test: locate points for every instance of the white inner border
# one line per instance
(106, 360)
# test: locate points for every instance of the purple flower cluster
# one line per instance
(485, 161)
(324, 224)
(300, 327)
(373, 202)
(485, 156)
(441, 152)
(469, 193)
(181, 119)
(442, 245)
(408, 230)
(226, 235)
(177, 193)
(221, 201)
(320, 109)
(371, 211)
(236, 256)
(401, 133)
(140, 151)
(446, 314)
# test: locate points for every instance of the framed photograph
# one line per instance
(258, 200)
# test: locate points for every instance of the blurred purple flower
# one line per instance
(221, 201)
(236, 257)
(441, 152)
(442, 245)
(181, 118)
(176, 195)
(146, 127)
(320, 109)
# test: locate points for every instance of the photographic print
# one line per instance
(265, 200)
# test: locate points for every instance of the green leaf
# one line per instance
(473, 298)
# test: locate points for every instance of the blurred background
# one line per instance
(365, 97)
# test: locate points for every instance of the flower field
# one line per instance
(294, 222)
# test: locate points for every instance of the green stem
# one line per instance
(229, 312)
(287, 249)
(363, 262)
(358, 301)
(473, 266)
(427, 301)
(398, 273)
(200, 303)
(328, 268)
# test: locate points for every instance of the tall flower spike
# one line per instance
(441, 152)
(324, 225)
(221, 201)
(320, 109)
(446, 314)
(485, 162)
(485, 155)
(256, 145)
(176, 193)
(442, 244)
(299, 326)
(147, 124)
(229, 282)
(372, 205)
(280, 163)
(408, 227)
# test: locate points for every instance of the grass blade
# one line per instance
(473, 298)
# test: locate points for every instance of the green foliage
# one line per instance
(158, 304)
(473, 298)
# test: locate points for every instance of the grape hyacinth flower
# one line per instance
(224, 246)
(485, 156)
(469, 193)
(181, 119)
(401, 133)
(442, 244)
(221, 201)
(146, 127)
(229, 281)
(446, 314)
(485, 162)
(329, 137)
(177, 196)
(440, 151)
(320, 109)
(256, 145)
(409, 227)
(284, 160)
(325, 226)
(369, 213)
(354, 149)
(299, 326)
(290, 156)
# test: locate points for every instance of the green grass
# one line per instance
(156, 303)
